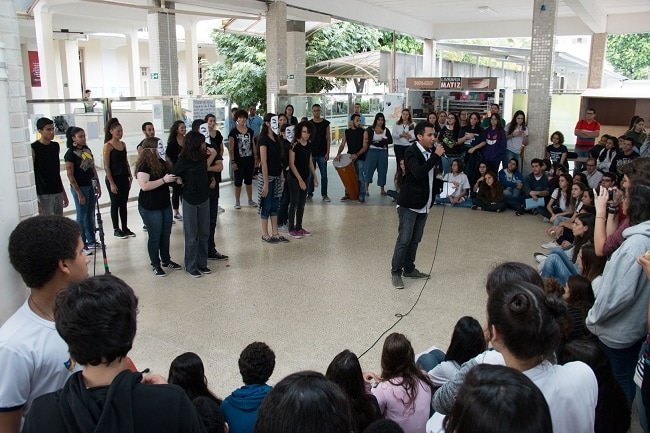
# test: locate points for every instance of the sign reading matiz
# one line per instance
(452, 83)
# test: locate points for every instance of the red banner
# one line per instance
(34, 68)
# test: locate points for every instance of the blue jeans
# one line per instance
(623, 363)
(409, 235)
(510, 155)
(511, 192)
(159, 229)
(196, 228)
(559, 266)
(428, 361)
(319, 161)
(376, 159)
(465, 203)
(270, 204)
(85, 213)
(359, 167)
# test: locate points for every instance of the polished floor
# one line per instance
(313, 297)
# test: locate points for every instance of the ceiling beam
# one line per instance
(590, 12)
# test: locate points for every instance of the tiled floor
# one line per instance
(313, 297)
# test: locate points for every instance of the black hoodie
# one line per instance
(126, 406)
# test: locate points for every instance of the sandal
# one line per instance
(280, 238)
(269, 239)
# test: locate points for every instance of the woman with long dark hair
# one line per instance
(291, 119)
(490, 196)
(448, 137)
(81, 171)
(404, 135)
(118, 177)
(404, 392)
(345, 371)
(377, 137)
(154, 176)
(192, 168)
(495, 143)
(301, 165)
(517, 136)
(269, 186)
(186, 371)
(175, 143)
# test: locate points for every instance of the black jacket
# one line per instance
(416, 188)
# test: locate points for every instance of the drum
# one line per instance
(345, 169)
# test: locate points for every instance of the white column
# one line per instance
(429, 64)
(596, 60)
(17, 188)
(276, 59)
(70, 68)
(439, 71)
(191, 57)
(296, 57)
(134, 63)
(46, 51)
(163, 52)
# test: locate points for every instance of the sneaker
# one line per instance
(87, 251)
(539, 257)
(178, 217)
(119, 234)
(216, 255)
(269, 239)
(205, 270)
(251, 203)
(363, 200)
(128, 233)
(158, 271)
(415, 274)
(326, 199)
(296, 234)
(550, 245)
(171, 265)
(237, 205)
(310, 197)
(195, 274)
(220, 210)
(144, 228)
(344, 198)
(280, 238)
(397, 281)
(93, 246)
(283, 228)
(305, 232)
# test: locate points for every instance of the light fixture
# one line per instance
(487, 10)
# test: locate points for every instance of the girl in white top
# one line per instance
(455, 187)
(403, 135)
(517, 135)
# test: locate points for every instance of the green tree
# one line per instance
(403, 43)
(630, 54)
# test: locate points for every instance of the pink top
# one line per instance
(395, 405)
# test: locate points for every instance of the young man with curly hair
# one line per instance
(256, 364)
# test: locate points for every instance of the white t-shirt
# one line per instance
(443, 372)
(403, 128)
(560, 199)
(516, 141)
(460, 179)
(34, 359)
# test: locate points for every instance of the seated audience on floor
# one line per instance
(97, 319)
(607, 154)
(467, 341)
(511, 179)
(561, 231)
(187, 371)
(404, 391)
(345, 371)
(579, 297)
(580, 177)
(557, 152)
(304, 402)
(256, 364)
(455, 187)
(479, 177)
(210, 415)
(535, 187)
(593, 175)
(490, 195)
(562, 264)
(612, 414)
(47, 253)
(619, 315)
(498, 399)
(625, 155)
(562, 202)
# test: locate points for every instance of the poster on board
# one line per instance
(393, 104)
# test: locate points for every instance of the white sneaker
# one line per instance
(550, 245)
(539, 257)
(87, 252)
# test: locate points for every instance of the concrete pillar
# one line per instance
(163, 51)
(134, 63)
(17, 187)
(540, 78)
(276, 59)
(296, 57)
(596, 60)
(46, 51)
(439, 70)
(429, 64)
(191, 58)
(70, 68)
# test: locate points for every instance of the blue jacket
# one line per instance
(240, 408)
(516, 177)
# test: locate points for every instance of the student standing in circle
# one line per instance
(175, 143)
(240, 141)
(301, 166)
(80, 167)
(270, 183)
(118, 177)
(45, 155)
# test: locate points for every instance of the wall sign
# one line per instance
(34, 68)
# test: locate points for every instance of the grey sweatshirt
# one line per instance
(619, 316)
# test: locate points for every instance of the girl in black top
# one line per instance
(301, 165)
(288, 111)
(118, 176)
(192, 168)
(153, 176)
(216, 142)
(285, 148)
(80, 167)
(175, 143)
(269, 186)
